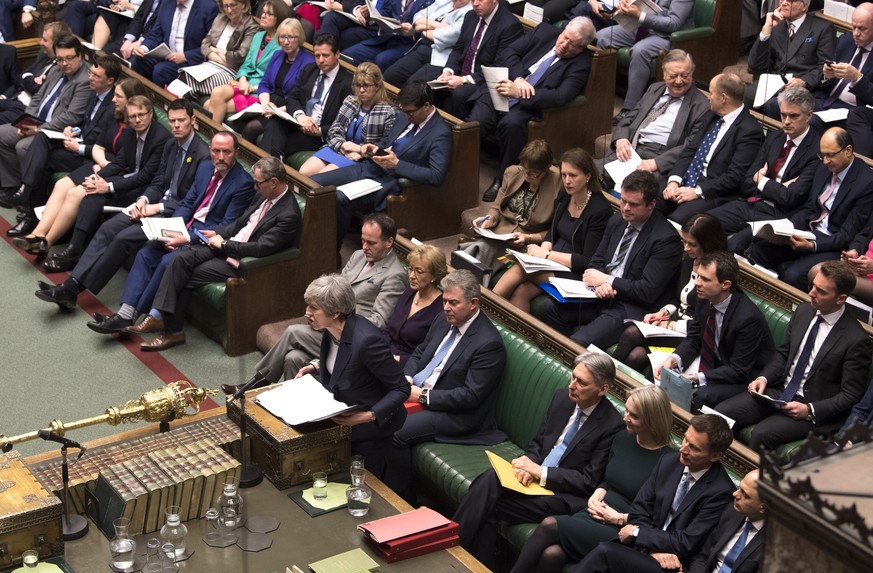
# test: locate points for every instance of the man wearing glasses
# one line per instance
(61, 101)
(418, 147)
(839, 204)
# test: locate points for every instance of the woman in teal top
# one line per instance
(243, 91)
(563, 538)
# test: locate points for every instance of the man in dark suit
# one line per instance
(453, 374)
(728, 332)
(568, 456)
(270, 224)
(314, 102)
(647, 41)
(9, 9)
(118, 183)
(778, 181)
(121, 235)
(839, 203)
(418, 147)
(819, 371)
(791, 42)
(143, 21)
(677, 508)
(846, 82)
(349, 33)
(633, 269)
(667, 117)
(488, 30)
(46, 156)
(547, 69)
(737, 541)
(181, 25)
(712, 166)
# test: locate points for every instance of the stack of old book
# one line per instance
(219, 432)
(410, 534)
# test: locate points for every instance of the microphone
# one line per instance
(49, 436)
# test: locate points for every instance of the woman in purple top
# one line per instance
(418, 305)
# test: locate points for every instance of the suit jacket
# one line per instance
(801, 166)
(279, 94)
(863, 90)
(377, 291)
(588, 232)
(850, 209)
(744, 347)
(583, 465)
(278, 229)
(675, 15)
(24, 81)
(540, 215)
(230, 200)
(71, 103)
(652, 265)
(202, 13)
(365, 372)
(730, 160)
(198, 150)
(237, 46)
(503, 30)
(803, 57)
(464, 393)
(138, 26)
(103, 120)
(376, 123)
(686, 127)
(563, 81)
(339, 89)
(838, 375)
(122, 171)
(695, 518)
(861, 412)
(748, 561)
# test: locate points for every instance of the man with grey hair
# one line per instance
(779, 180)
(548, 68)
(668, 115)
(568, 455)
(453, 375)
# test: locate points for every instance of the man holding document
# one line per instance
(568, 456)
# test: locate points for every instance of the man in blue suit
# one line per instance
(846, 82)
(7, 10)
(181, 26)
(348, 32)
(418, 147)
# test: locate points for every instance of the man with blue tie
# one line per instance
(568, 455)
(677, 508)
(819, 371)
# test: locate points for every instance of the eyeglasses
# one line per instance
(408, 112)
(66, 59)
(259, 183)
(287, 38)
(138, 116)
(822, 155)
(363, 86)
(530, 173)
(93, 74)
(231, 5)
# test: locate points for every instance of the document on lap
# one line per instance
(493, 76)
(507, 478)
(59, 135)
(631, 24)
(652, 330)
(489, 234)
(618, 169)
(161, 51)
(164, 229)
(778, 230)
(302, 400)
(570, 288)
(532, 264)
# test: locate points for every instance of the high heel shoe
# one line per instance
(41, 251)
(26, 243)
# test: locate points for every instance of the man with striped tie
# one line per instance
(728, 332)
(568, 456)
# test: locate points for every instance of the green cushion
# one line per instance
(777, 318)
(296, 160)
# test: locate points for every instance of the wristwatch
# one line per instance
(422, 398)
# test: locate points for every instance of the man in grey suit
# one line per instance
(667, 117)
(377, 277)
(61, 101)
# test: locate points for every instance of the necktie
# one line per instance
(707, 349)
(403, 141)
(802, 362)
(150, 19)
(823, 200)
(623, 248)
(207, 197)
(692, 174)
(773, 172)
(93, 112)
(45, 109)
(791, 31)
(840, 87)
(467, 66)
(316, 97)
(681, 491)
(174, 182)
(553, 459)
(139, 144)
(538, 74)
(736, 549)
(246, 233)
(441, 352)
(657, 111)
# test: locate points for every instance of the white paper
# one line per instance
(203, 71)
(58, 135)
(322, 5)
(708, 410)
(468, 256)
(438, 85)
(570, 288)
(532, 264)
(301, 400)
(493, 76)
(489, 234)
(773, 229)
(768, 85)
(282, 114)
(254, 109)
(775, 401)
(618, 170)
(178, 88)
(359, 188)
(161, 51)
(653, 330)
(164, 228)
(839, 11)
(125, 13)
(631, 24)
(533, 13)
(24, 98)
(833, 114)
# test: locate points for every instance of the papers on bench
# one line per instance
(160, 52)
(257, 109)
(778, 230)
(631, 24)
(493, 76)
(163, 228)
(359, 188)
(489, 234)
(764, 270)
(768, 85)
(59, 135)
(532, 264)
(833, 114)
(503, 469)
(839, 11)
(572, 289)
(302, 400)
(653, 330)
(178, 88)
(533, 13)
(618, 170)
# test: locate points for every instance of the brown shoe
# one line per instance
(164, 341)
(147, 325)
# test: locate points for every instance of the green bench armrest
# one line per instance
(692, 34)
(249, 263)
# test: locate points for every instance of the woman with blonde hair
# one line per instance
(364, 117)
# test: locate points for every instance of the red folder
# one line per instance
(413, 407)
(416, 551)
(404, 524)
(419, 539)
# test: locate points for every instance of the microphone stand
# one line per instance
(74, 526)
(251, 474)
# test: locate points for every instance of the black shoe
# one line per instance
(58, 295)
(491, 193)
(6, 197)
(99, 317)
(41, 250)
(46, 286)
(621, 115)
(57, 265)
(258, 379)
(28, 244)
(23, 226)
(69, 253)
(21, 197)
(111, 325)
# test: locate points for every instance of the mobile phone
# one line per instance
(829, 62)
(201, 236)
(378, 153)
